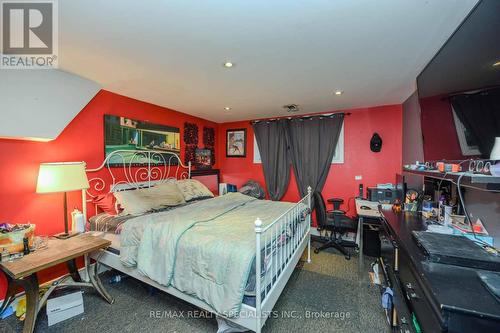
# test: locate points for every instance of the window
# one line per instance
(338, 157)
(256, 152)
(467, 142)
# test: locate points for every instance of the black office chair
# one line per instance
(336, 223)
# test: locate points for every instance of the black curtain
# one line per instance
(272, 140)
(480, 114)
(312, 146)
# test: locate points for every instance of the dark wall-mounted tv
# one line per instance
(459, 90)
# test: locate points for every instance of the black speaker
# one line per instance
(360, 191)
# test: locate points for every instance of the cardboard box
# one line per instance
(64, 307)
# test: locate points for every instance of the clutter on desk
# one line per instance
(397, 206)
(411, 200)
(429, 209)
(435, 166)
(440, 229)
(459, 226)
(476, 166)
(14, 238)
(386, 193)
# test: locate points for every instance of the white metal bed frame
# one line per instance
(281, 263)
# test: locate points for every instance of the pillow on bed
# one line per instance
(107, 223)
(192, 189)
(134, 202)
(167, 194)
(107, 203)
(137, 202)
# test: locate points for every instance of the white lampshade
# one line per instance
(61, 177)
(495, 152)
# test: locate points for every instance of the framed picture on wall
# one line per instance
(236, 142)
(124, 134)
(203, 158)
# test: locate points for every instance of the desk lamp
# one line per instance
(62, 177)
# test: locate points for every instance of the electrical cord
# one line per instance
(466, 213)
(447, 172)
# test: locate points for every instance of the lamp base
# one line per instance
(64, 235)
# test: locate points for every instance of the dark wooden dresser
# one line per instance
(440, 297)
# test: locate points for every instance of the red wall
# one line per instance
(81, 140)
(358, 158)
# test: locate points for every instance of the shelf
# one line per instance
(469, 177)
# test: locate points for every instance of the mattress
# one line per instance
(113, 223)
(115, 242)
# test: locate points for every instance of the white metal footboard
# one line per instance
(279, 247)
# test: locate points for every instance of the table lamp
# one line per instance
(62, 177)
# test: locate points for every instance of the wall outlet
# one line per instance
(358, 177)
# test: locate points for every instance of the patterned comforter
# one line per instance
(205, 249)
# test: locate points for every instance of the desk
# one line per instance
(371, 213)
(23, 272)
(443, 298)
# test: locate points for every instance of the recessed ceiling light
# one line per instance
(227, 108)
(228, 64)
(338, 92)
(496, 64)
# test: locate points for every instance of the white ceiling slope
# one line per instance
(39, 104)
(286, 51)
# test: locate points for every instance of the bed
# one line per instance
(231, 255)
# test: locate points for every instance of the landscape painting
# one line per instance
(124, 134)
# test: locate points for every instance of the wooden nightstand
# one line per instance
(22, 272)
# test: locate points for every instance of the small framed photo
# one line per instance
(236, 142)
(203, 158)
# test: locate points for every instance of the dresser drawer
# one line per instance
(430, 320)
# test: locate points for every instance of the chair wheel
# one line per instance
(316, 251)
(347, 257)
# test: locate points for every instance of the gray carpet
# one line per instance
(329, 286)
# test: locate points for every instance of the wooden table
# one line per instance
(22, 272)
(365, 209)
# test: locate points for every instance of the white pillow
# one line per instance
(167, 194)
(192, 189)
(133, 202)
(137, 202)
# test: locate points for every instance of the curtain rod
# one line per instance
(329, 114)
(470, 92)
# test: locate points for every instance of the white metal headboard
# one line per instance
(133, 169)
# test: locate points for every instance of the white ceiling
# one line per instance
(170, 53)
